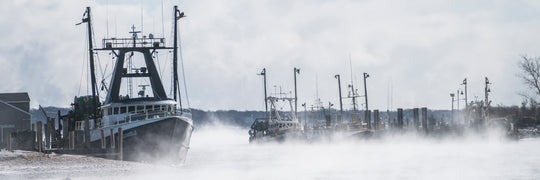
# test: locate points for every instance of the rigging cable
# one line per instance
(182, 65)
(82, 65)
(93, 46)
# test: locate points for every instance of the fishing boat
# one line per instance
(277, 126)
(153, 124)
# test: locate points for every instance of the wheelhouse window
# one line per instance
(122, 109)
(116, 110)
(140, 108)
(131, 109)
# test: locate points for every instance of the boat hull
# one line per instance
(167, 139)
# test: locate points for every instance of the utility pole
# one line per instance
(296, 70)
(263, 73)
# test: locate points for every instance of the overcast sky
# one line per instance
(420, 51)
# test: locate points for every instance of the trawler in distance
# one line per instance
(278, 125)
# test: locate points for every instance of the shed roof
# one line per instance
(13, 97)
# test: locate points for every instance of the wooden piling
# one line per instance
(52, 130)
(112, 139)
(86, 133)
(102, 139)
(47, 135)
(72, 140)
(400, 118)
(65, 133)
(367, 118)
(39, 135)
(376, 119)
(328, 121)
(424, 120)
(416, 118)
(120, 144)
(9, 142)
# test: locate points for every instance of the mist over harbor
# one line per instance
(222, 151)
(269, 89)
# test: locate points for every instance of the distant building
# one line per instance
(14, 114)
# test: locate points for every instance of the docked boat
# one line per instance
(153, 125)
(278, 126)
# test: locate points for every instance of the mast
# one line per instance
(366, 75)
(177, 16)
(91, 53)
(487, 90)
(340, 101)
(352, 86)
(466, 103)
(296, 70)
(263, 73)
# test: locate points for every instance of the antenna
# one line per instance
(162, 24)
(350, 65)
(115, 27)
(142, 24)
(107, 12)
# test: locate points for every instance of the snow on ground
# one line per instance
(33, 165)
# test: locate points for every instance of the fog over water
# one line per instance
(223, 152)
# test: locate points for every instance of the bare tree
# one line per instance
(530, 73)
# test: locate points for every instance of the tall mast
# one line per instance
(296, 70)
(177, 16)
(263, 73)
(366, 75)
(352, 86)
(91, 53)
(340, 101)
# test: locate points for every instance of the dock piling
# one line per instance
(65, 133)
(376, 119)
(367, 118)
(9, 142)
(72, 140)
(47, 135)
(400, 118)
(112, 138)
(102, 139)
(424, 120)
(120, 144)
(416, 118)
(39, 136)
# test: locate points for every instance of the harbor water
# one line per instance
(223, 152)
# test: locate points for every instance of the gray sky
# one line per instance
(422, 49)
